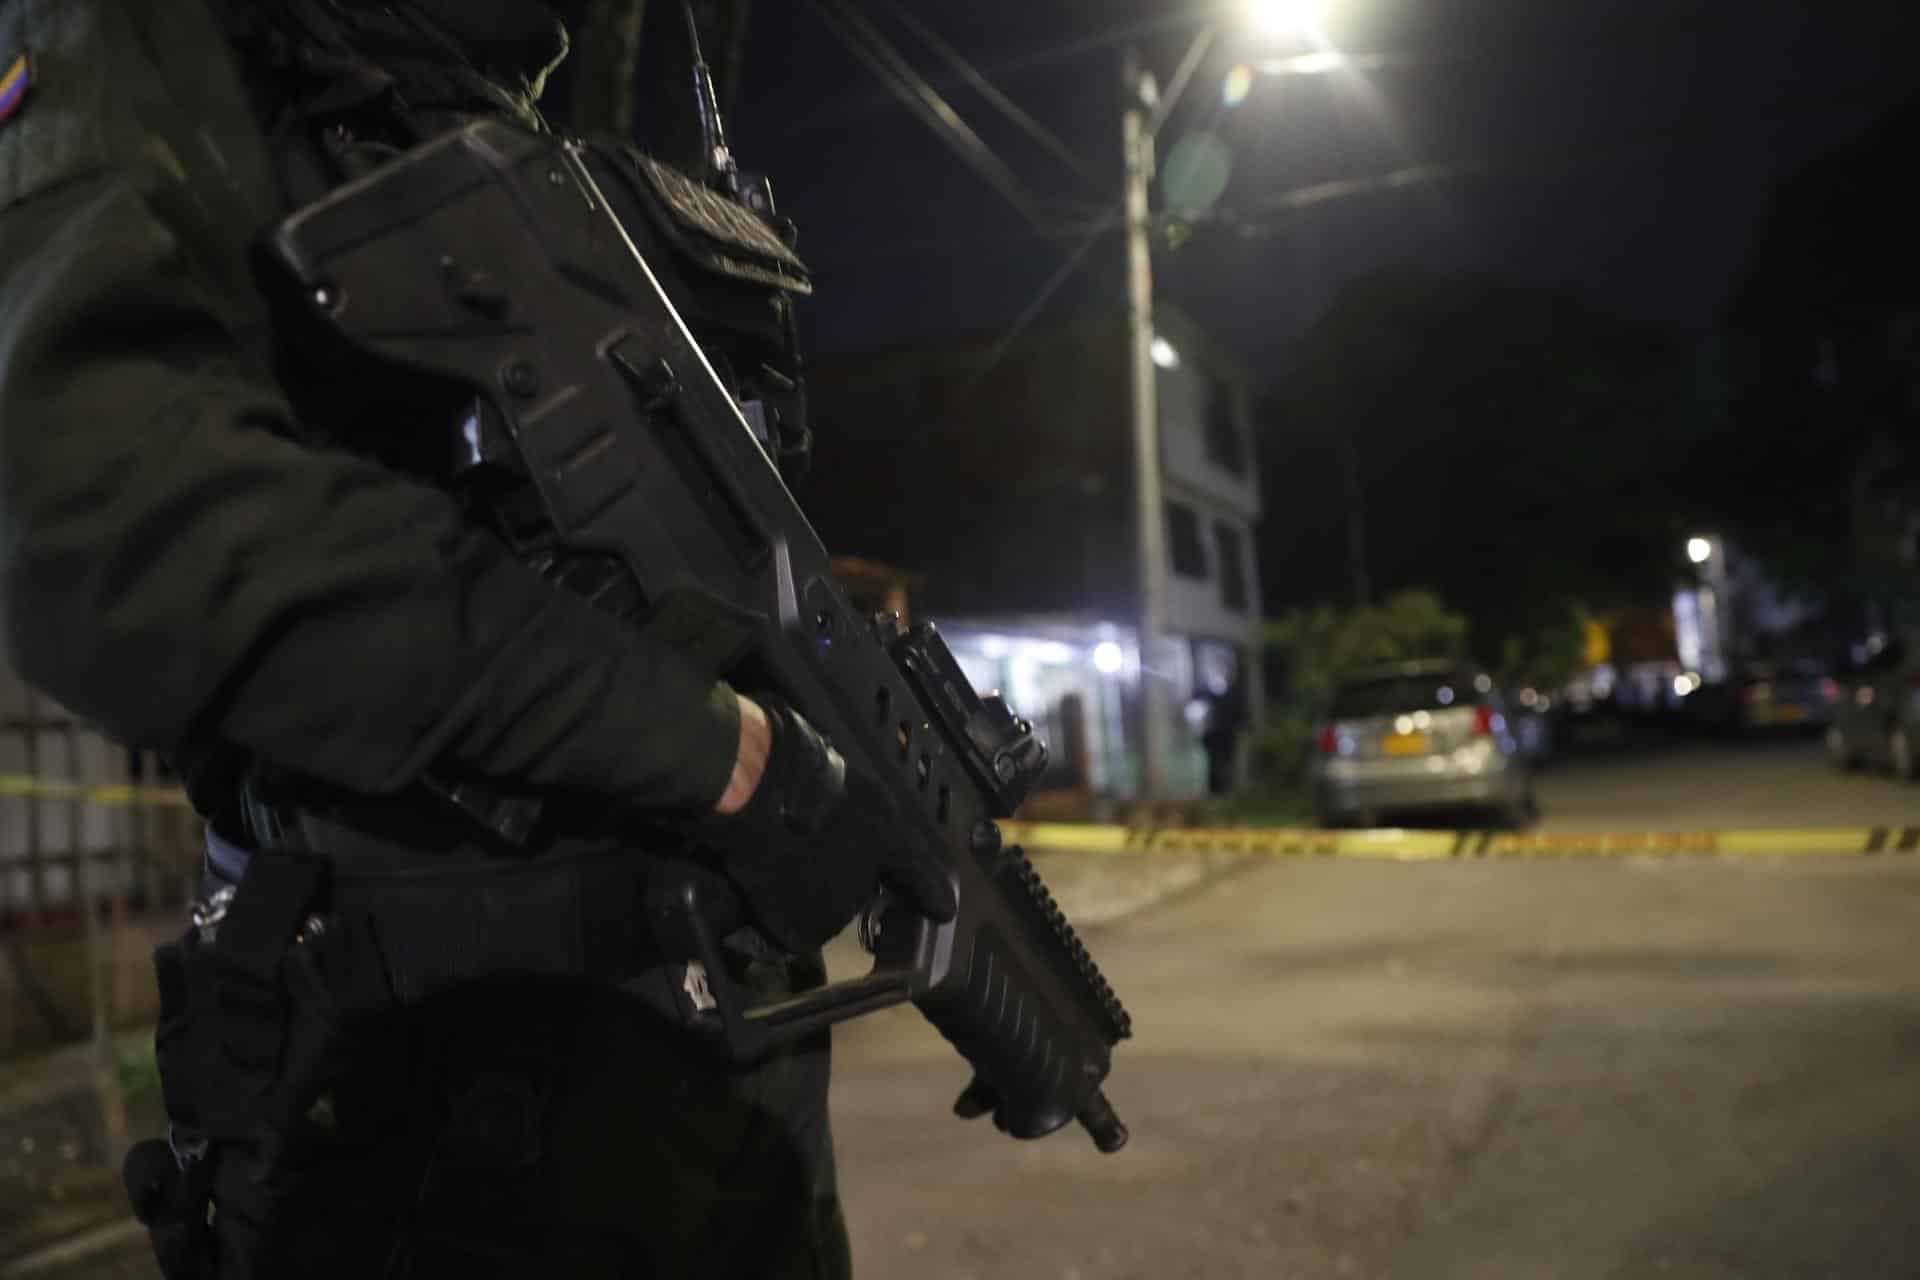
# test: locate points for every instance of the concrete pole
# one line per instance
(1149, 515)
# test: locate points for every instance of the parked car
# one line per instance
(1767, 697)
(1877, 717)
(1798, 694)
(1419, 736)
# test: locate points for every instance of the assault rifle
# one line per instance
(528, 271)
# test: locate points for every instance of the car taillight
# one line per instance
(1482, 722)
(1329, 740)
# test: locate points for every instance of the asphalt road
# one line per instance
(1563, 1069)
(1780, 782)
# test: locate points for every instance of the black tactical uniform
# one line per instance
(188, 560)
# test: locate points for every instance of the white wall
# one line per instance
(1215, 494)
(1183, 397)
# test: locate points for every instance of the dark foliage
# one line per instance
(1512, 448)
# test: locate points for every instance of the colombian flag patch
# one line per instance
(13, 86)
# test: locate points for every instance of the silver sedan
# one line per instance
(1419, 737)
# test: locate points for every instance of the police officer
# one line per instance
(190, 558)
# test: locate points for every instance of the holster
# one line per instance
(292, 955)
(253, 1000)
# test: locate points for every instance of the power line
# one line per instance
(1540, 161)
(872, 48)
(1027, 124)
(837, 115)
(1635, 29)
(1031, 312)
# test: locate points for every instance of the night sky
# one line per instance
(1621, 148)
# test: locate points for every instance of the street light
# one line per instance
(1699, 550)
(1147, 109)
(1285, 17)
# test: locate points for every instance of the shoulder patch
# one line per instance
(54, 52)
(14, 83)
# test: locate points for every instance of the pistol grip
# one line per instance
(696, 908)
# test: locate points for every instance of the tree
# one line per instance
(1309, 651)
(1510, 448)
(1315, 649)
(1550, 654)
(1821, 400)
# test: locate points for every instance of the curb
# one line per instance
(82, 1244)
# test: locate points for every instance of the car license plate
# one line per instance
(1404, 744)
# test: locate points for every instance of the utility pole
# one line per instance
(1149, 511)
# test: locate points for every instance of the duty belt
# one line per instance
(436, 924)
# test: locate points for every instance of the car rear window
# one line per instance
(1395, 694)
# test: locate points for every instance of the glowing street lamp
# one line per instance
(1699, 550)
(1285, 17)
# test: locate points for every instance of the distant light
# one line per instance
(1444, 695)
(1238, 84)
(1699, 550)
(1403, 724)
(1483, 683)
(1285, 17)
(1051, 651)
(1163, 353)
(993, 647)
(1682, 686)
(1422, 720)
(1108, 658)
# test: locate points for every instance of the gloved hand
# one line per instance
(815, 841)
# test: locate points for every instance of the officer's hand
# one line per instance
(813, 840)
(749, 759)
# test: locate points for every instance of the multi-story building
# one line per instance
(1001, 473)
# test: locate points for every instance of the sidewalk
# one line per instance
(57, 1179)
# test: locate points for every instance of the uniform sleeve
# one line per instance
(176, 570)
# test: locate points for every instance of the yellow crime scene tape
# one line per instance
(13, 784)
(1393, 845)
(1430, 846)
